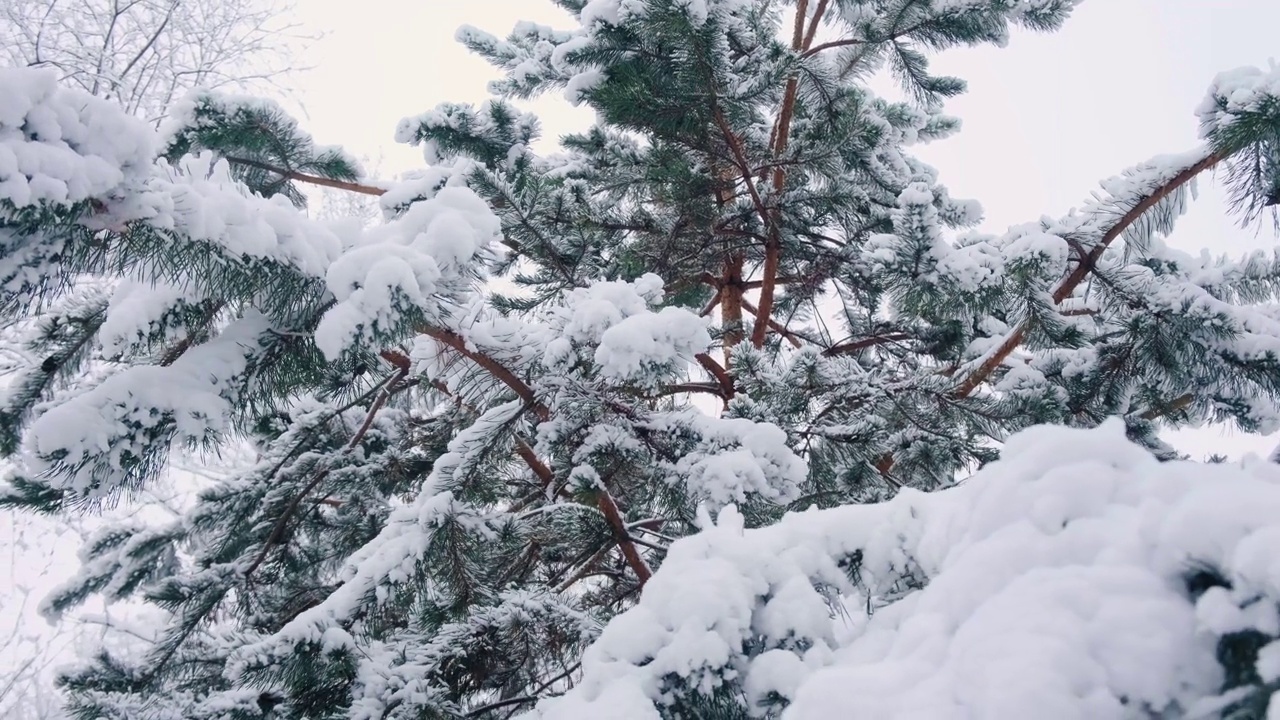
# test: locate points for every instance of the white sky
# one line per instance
(1045, 119)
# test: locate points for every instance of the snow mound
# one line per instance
(1077, 577)
(61, 147)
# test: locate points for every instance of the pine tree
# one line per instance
(737, 288)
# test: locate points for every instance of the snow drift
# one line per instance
(1078, 577)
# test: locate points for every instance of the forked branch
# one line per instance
(604, 500)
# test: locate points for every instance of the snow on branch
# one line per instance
(120, 431)
(1241, 118)
(61, 147)
(396, 278)
(264, 143)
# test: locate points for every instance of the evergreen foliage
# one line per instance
(737, 288)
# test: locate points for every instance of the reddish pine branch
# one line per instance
(539, 468)
(1081, 271)
(619, 527)
(731, 286)
(772, 258)
(831, 45)
(508, 378)
(814, 22)
(523, 449)
(781, 280)
(1069, 285)
(773, 324)
(740, 160)
(312, 179)
(853, 346)
(493, 367)
(800, 42)
(709, 364)
(712, 303)
(731, 305)
(397, 359)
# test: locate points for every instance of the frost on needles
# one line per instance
(645, 427)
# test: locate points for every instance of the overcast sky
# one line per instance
(1045, 119)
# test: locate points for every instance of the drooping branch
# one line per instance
(1082, 270)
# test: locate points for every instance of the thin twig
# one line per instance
(585, 568)
(853, 346)
(830, 45)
